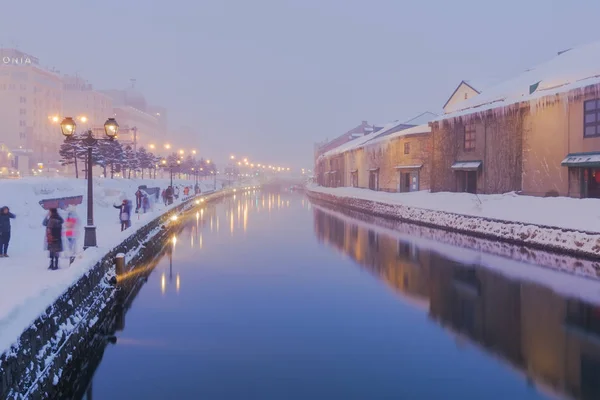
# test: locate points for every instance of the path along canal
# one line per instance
(267, 296)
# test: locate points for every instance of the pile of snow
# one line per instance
(27, 288)
(557, 223)
(572, 69)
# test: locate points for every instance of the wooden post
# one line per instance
(120, 265)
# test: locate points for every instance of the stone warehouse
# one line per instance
(537, 133)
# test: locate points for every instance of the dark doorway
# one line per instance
(374, 179)
(467, 181)
(409, 181)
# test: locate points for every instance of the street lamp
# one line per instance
(111, 128)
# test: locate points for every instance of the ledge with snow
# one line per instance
(559, 224)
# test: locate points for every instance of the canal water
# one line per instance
(267, 296)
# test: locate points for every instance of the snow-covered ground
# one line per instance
(561, 212)
(27, 287)
(556, 223)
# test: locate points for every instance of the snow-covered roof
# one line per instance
(581, 160)
(358, 142)
(413, 166)
(466, 165)
(573, 69)
(422, 118)
(415, 130)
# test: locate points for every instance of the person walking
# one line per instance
(71, 227)
(138, 200)
(145, 203)
(53, 223)
(5, 217)
(169, 193)
(124, 214)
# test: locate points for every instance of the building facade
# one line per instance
(141, 124)
(30, 96)
(90, 108)
(394, 159)
(538, 133)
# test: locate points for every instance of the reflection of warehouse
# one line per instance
(553, 339)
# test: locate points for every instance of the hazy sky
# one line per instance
(267, 78)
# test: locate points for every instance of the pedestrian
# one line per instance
(170, 195)
(5, 216)
(138, 199)
(71, 228)
(53, 223)
(186, 191)
(145, 203)
(124, 214)
(164, 196)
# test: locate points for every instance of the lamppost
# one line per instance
(111, 128)
(171, 166)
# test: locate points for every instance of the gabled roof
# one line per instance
(358, 142)
(574, 69)
(466, 83)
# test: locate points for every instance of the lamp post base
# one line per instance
(89, 238)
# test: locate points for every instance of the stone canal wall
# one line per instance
(548, 238)
(33, 367)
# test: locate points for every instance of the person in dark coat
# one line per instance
(5, 216)
(53, 223)
(138, 199)
(170, 195)
(124, 214)
(145, 203)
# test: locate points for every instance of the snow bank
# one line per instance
(27, 288)
(559, 223)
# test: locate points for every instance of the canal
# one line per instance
(267, 296)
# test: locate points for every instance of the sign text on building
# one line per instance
(16, 60)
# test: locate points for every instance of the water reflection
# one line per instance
(551, 338)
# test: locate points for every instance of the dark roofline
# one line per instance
(456, 90)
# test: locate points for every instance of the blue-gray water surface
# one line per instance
(266, 296)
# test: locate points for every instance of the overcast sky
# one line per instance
(267, 78)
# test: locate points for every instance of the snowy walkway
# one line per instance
(561, 212)
(27, 287)
(561, 224)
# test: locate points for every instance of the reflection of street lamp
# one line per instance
(163, 282)
(111, 128)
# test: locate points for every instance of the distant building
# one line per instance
(89, 107)
(30, 99)
(140, 124)
(361, 130)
